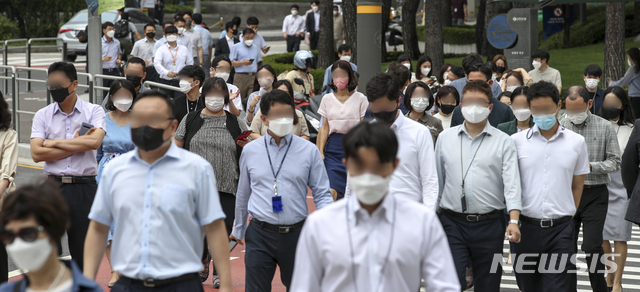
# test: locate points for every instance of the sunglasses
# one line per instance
(28, 234)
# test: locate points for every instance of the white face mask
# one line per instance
(447, 82)
(335, 12)
(345, 58)
(425, 71)
(185, 86)
(522, 114)
(315, 8)
(591, 83)
(111, 33)
(408, 65)
(369, 188)
(180, 30)
(419, 104)
(248, 42)
(446, 74)
(579, 118)
(475, 114)
(511, 88)
(294, 12)
(123, 104)
(172, 38)
(629, 62)
(29, 256)
(222, 75)
(494, 76)
(536, 64)
(281, 127)
(265, 82)
(214, 103)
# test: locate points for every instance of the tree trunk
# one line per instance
(567, 26)
(481, 26)
(583, 13)
(386, 10)
(445, 7)
(614, 55)
(409, 35)
(433, 33)
(491, 10)
(636, 11)
(326, 53)
(350, 20)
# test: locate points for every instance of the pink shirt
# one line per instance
(343, 116)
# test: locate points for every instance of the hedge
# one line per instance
(284, 62)
(453, 35)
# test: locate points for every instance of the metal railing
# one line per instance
(148, 84)
(97, 87)
(14, 100)
(5, 57)
(29, 46)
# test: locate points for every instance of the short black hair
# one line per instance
(115, 86)
(161, 95)
(136, 60)
(593, 70)
(542, 54)
(187, 13)
(504, 93)
(5, 115)
(480, 68)
(248, 31)
(344, 48)
(575, 91)
(446, 90)
(470, 60)
(193, 71)
(164, 25)
(170, 30)
(374, 135)
(491, 66)
(316, 2)
(295, 6)
(124, 15)
(218, 59)
(286, 83)
(381, 85)
(65, 67)
(107, 24)
(404, 58)
(252, 20)
(458, 71)
(479, 86)
(180, 19)
(197, 18)
(214, 83)
(274, 96)
(236, 20)
(543, 89)
(147, 25)
(411, 88)
(400, 72)
(520, 90)
(228, 26)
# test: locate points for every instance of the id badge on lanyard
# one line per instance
(276, 200)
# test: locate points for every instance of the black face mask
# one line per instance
(610, 113)
(500, 69)
(386, 117)
(59, 93)
(135, 80)
(447, 109)
(147, 138)
(235, 32)
(151, 35)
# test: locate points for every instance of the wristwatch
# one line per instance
(516, 222)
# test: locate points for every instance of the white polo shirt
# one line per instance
(547, 168)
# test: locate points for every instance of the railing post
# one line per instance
(29, 64)
(14, 103)
(16, 100)
(91, 97)
(64, 51)
(5, 61)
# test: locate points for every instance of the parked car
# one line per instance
(79, 22)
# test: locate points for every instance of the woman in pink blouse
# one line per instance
(341, 110)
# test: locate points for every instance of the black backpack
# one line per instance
(122, 29)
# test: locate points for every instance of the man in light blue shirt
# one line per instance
(207, 43)
(275, 171)
(111, 53)
(163, 201)
(244, 58)
(344, 53)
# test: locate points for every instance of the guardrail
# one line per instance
(29, 46)
(97, 87)
(148, 84)
(5, 56)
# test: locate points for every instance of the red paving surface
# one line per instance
(237, 268)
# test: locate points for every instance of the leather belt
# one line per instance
(545, 223)
(74, 179)
(594, 186)
(151, 283)
(109, 69)
(278, 228)
(246, 73)
(475, 217)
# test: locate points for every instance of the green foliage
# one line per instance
(453, 35)
(174, 8)
(8, 29)
(284, 62)
(593, 31)
(39, 18)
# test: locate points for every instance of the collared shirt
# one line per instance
(110, 48)
(459, 84)
(547, 168)
(419, 249)
(301, 168)
(327, 78)
(550, 75)
(186, 41)
(240, 52)
(434, 124)
(79, 282)
(598, 98)
(230, 42)
(205, 34)
(158, 211)
(293, 24)
(630, 78)
(196, 41)
(259, 41)
(492, 177)
(52, 123)
(172, 59)
(144, 49)
(316, 18)
(163, 42)
(602, 145)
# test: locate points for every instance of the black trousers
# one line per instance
(126, 285)
(264, 250)
(313, 40)
(635, 104)
(111, 72)
(79, 198)
(152, 75)
(477, 242)
(171, 93)
(556, 241)
(591, 214)
(4, 265)
(293, 43)
(228, 203)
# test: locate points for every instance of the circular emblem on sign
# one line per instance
(557, 12)
(499, 34)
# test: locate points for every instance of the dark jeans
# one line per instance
(556, 241)
(477, 242)
(152, 75)
(264, 250)
(4, 265)
(293, 43)
(79, 198)
(111, 72)
(591, 214)
(635, 104)
(126, 285)
(313, 40)
(171, 93)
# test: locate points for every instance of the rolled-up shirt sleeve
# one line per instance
(38, 127)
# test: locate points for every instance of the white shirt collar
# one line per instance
(355, 208)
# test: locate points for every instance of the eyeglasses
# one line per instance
(28, 234)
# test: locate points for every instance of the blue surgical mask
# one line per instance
(545, 122)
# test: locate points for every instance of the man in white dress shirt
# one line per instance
(553, 166)
(170, 59)
(373, 241)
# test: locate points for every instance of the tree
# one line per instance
(614, 55)
(35, 18)
(445, 7)
(326, 54)
(491, 10)
(386, 11)
(350, 27)
(433, 33)
(409, 35)
(567, 26)
(481, 27)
